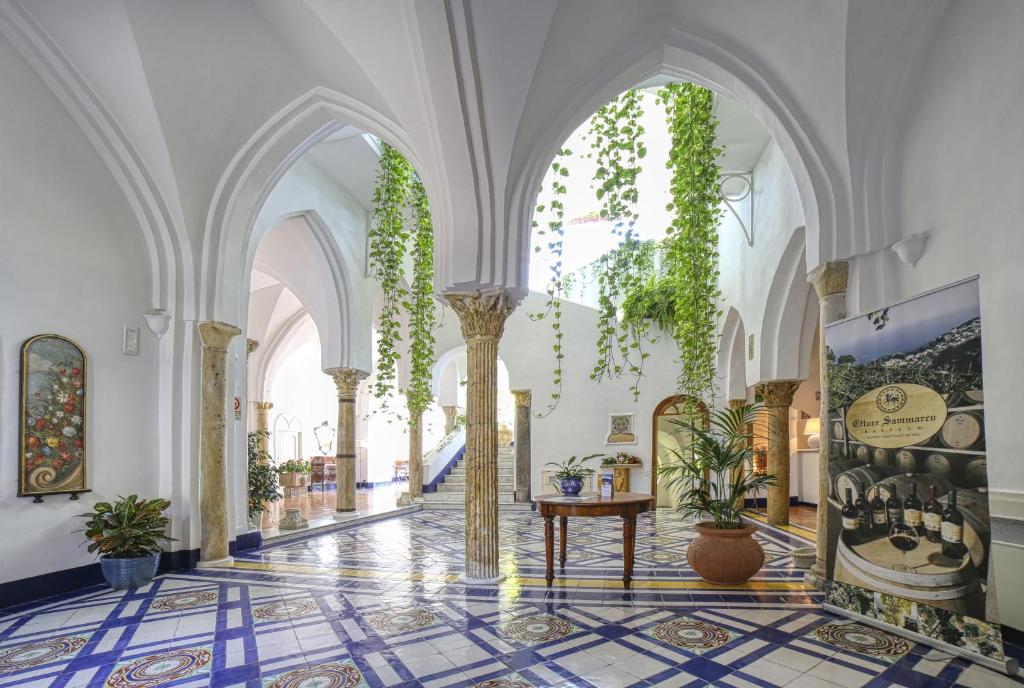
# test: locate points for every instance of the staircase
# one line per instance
(451, 492)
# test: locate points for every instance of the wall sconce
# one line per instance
(159, 321)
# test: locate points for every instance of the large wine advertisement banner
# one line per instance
(908, 525)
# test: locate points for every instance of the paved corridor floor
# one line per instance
(379, 604)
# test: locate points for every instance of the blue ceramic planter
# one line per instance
(122, 574)
(571, 486)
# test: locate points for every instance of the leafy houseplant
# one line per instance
(711, 477)
(263, 485)
(571, 473)
(127, 534)
(294, 472)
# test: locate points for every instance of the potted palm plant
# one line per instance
(711, 478)
(127, 534)
(263, 485)
(570, 474)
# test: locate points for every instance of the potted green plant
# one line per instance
(263, 486)
(711, 477)
(294, 473)
(127, 534)
(570, 474)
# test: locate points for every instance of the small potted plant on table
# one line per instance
(294, 474)
(570, 474)
(711, 477)
(127, 534)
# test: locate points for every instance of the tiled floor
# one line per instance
(380, 605)
(319, 507)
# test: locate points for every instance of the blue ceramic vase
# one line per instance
(571, 486)
(122, 574)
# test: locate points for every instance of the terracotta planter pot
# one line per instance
(725, 556)
(293, 479)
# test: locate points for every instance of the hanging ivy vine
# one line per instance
(422, 318)
(692, 244)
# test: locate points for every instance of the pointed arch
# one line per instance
(732, 365)
(785, 342)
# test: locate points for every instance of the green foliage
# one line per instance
(295, 466)
(692, 244)
(420, 306)
(713, 473)
(573, 467)
(388, 238)
(128, 528)
(263, 486)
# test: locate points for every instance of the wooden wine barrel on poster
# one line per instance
(973, 504)
(837, 467)
(906, 461)
(974, 397)
(975, 473)
(963, 430)
(862, 453)
(900, 485)
(881, 457)
(873, 565)
(940, 464)
(837, 450)
(838, 430)
(860, 480)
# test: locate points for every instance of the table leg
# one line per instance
(549, 549)
(563, 522)
(628, 545)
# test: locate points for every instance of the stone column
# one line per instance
(482, 317)
(829, 280)
(778, 395)
(347, 381)
(263, 421)
(450, 414)
(523, 456)
(415, 455)
(214, 532)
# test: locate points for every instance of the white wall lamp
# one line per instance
(910, 249)
(159, 321)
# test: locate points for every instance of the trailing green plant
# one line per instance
(420, 306)
(691, 259)
(557, 283)
(713, 474)
(263, 484)
(294, 466)
(388, 237)
(653, 301)
(574, 467)
(128, 528)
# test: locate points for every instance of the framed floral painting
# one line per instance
(53, 418)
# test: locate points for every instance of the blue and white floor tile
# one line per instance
(379, 605)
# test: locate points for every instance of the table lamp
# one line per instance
(812, 428)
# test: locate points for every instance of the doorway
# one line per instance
(671, 438)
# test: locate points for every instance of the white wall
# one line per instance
(73, 263)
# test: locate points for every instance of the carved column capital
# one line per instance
(830, 278)
(482, 314)
(737, 403)
(524, 397)
(778, 393)
(347, 381)
(217, 335)
(250, 346)
(263, 405)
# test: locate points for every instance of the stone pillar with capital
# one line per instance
(347, 381)
(263, 421)
(524, 400)
(829, 281)
(451, 414)
(482, 318)
(778, 395)
(214, 529)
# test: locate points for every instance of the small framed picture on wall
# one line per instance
(620, 429)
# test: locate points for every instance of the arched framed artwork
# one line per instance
(53, 418)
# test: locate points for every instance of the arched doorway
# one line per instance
(670, 437)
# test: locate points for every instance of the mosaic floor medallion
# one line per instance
(20, 657)
(401, 620)
(662, 556)
(184, 600)
(284, 610)
(689, 634)
(539, 628)
(159, 669)
(505, 682)
(863, 640)
(331, 675)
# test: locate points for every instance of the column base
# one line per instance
(215, 563)
(815, 578)
(463, 578)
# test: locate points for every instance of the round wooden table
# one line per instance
(623, 504)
